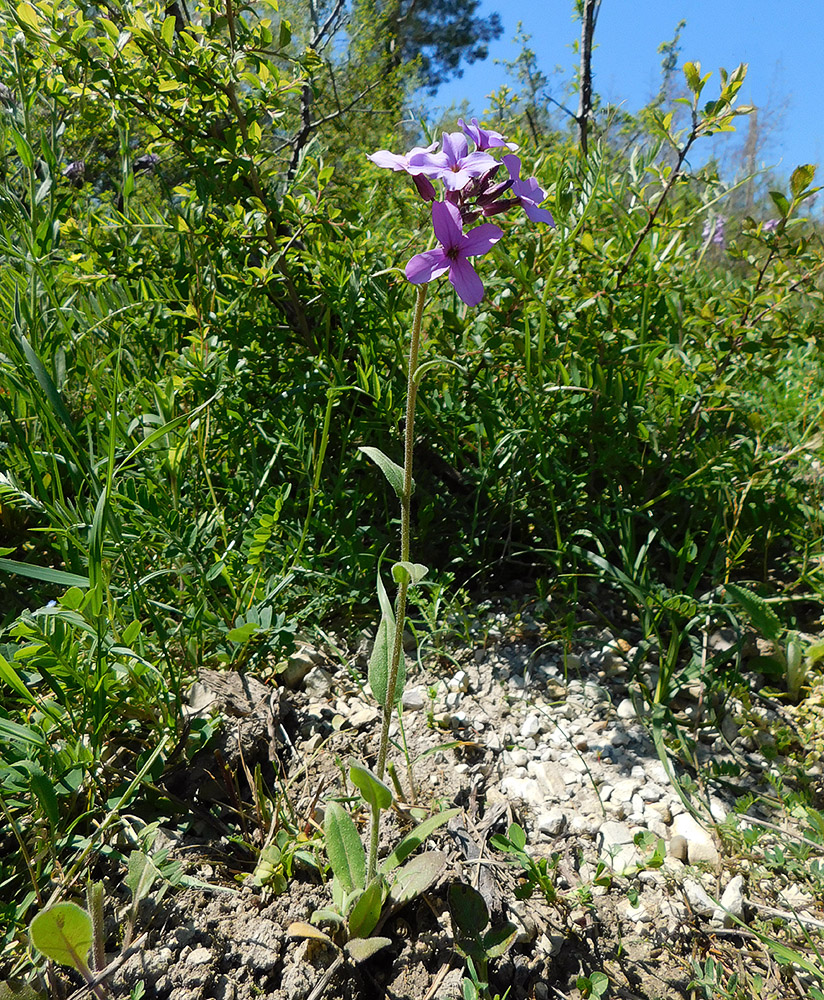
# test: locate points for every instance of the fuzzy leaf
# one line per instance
(415, 838)
(344, 848)
(416, 876)
(375, 793)
(468, 908)
(381, 657)
(759, 612)
(801, 179)
(390, 469)
(367, 910)
(409, 572)
(359, 949)
(64, 934)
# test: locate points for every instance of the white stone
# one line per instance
(626, 710)
(199, 956)
(531, 725)
(623, 789)
(526, 789)
(414, 699)
(732, 903)
(550, 777)
(699, 901)
(459, 682)
(700, 845)
(552, 822)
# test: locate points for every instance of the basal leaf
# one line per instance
(344, 848)
(64, 934)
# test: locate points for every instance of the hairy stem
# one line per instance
(406, 503)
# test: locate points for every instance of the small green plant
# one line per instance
(538, 873)
(361, 901)
(594, 985)
(475, 941)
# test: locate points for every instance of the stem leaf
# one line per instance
(375, 793)
(390, 469)
(411, 573)
(381, 657)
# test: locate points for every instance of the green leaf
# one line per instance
(692, 71)
(243, 633)
(380, 660)
(46, 383)
(43, 790)
(801, 179)
(344, 848)
(375, 793)
(413, 840)
(64, 934)
(416, 876)
(167, 32)
(499, 940)
(517, 836)
(359, 949)
(468, 908)
(409, 572)
(392, 471)
(143, 873)
(366, 912)
(9, 676)
(28, 15)
(45, 573)
(781, 203)
(12, 989)
(759, 612)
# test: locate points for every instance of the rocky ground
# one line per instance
(663, 878)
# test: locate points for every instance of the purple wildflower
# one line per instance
(770, 225)
(455, 247)
(714, 231)
(484, 138)
(454, 165)
(529, 193)
(394, 161)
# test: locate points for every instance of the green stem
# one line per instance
(406, 504)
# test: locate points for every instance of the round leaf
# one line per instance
(64, 934)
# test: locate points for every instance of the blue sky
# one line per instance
(781, 40)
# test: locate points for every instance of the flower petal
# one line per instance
(536, 214)
(383, 158)
(425, 266)
(455, 146)
(466, 282)
(446, 221)
(513, 165)
(481, 239)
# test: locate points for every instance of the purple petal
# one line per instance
(538, 214)
(446, 221)
(513, 165)
(480, 240)
(466, 282)
(455, 146)
(478, 163)
(425, 266)
(455, 180)
(383, 158)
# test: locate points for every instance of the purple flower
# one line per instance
(455, 247)
(714, 231)
(454, 165)
(529, 193)
(394, 161)
(484, 138)
(770, 225)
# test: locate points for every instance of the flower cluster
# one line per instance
(471, 190)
